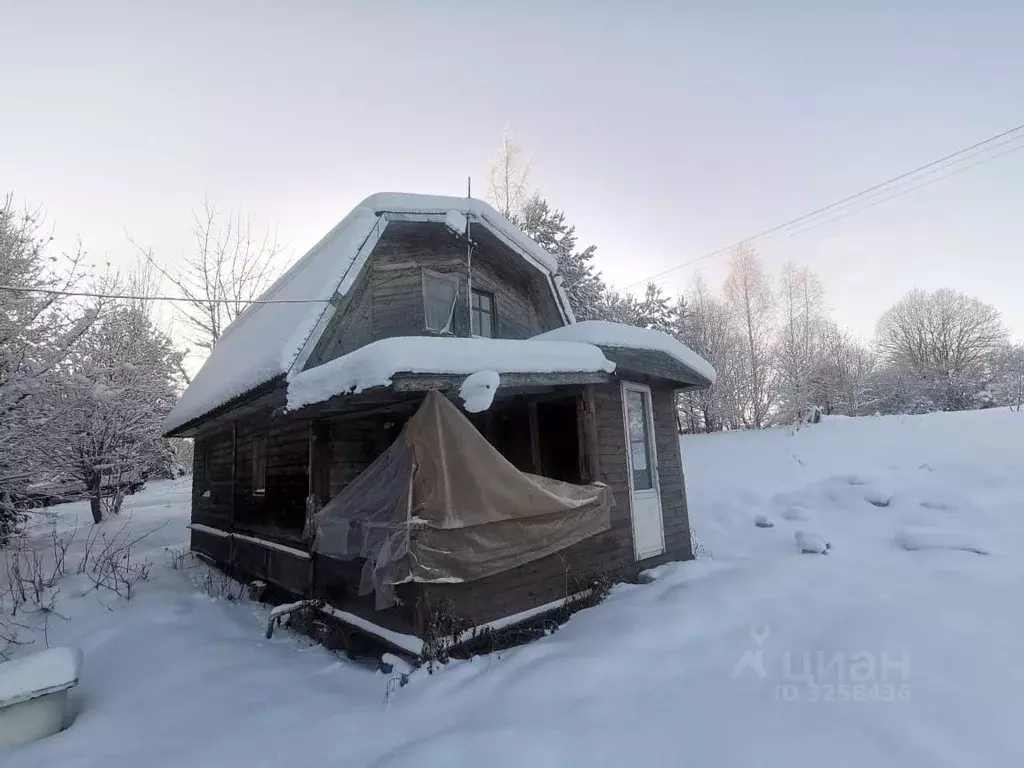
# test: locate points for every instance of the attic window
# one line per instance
(483, 314)
(440, 293)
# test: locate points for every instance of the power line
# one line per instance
(934, 166)
(907, 190)
(130, 297)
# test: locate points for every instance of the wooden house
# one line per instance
(407, 296)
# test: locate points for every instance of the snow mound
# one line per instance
(478, 390)
(607, 334)
(811, 543)
(456, 222)
(914, 539)
(795, 513)
(377, 363)
(38, 674)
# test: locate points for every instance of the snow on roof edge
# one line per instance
(604, 333)
(376, 363)
(230, 373)
(264, 339)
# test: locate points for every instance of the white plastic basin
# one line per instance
(34, 695)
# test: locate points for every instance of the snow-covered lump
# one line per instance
(478, 390)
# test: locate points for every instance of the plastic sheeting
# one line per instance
(441, 504)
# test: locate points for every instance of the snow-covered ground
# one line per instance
(898, 647)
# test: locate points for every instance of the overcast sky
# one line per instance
(665, 130)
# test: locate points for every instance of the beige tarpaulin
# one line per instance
(442, 505)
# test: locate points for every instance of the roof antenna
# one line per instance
(469, 256)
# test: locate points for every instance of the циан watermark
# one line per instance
(827, 676)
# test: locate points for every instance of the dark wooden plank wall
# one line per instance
(211, 479)
(611, 552)
(352, 324)
(388, 298)
(354, 445)
(284, 503)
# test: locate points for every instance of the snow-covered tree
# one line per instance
(229, 266)
(750, 298)
(1007, 386)
(509, 188)
(843, 383)
(707, 328)
(800, 351)
(653, 310)
(945, 342)
(118, 385)
(547, 226)
(38, 328)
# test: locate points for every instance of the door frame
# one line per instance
(645, 390)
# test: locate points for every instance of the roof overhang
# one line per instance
(654, 363)
(424, 382)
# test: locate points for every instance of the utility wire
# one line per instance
(129, 297)
(907, 190)
(881, 188)
(935, 166)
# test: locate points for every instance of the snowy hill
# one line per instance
(899, 647)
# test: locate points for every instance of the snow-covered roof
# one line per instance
(271, 339)
(606, 334)
(375, 364)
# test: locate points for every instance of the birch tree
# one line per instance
(750, 299)
(509, 187)
(230, 265)
(801, 345)
(708, 329)
(844, 381)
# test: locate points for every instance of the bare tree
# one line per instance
(844, 380)
(509, 187)
(946, 339)
(801, 345)
(230, 267)
(750, 298)
(1008, 377)
(708, 329)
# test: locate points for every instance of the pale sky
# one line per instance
(664, 129)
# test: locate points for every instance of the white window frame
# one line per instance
(453, 279)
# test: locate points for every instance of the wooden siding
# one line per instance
(387, 300)
(211, 479)
(283, 505)
(353, 445)
(352, 324)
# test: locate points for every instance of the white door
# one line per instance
(644, 492)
